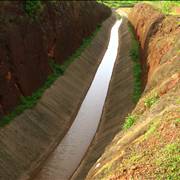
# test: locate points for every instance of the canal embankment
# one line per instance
(27, 141)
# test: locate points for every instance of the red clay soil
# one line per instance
(25, 44)
(177, 10)
(157, 35)
(148, 149)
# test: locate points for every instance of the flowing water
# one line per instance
(65, 159)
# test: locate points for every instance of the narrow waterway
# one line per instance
(67, 156)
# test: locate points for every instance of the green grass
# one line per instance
(33, 7)
(57, 70)
(168, 162)
(148, 102)
(166, 7)
(129, 121)
(134, 53)
(152, 129)
(117, 3)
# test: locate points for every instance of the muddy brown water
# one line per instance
(65, 159)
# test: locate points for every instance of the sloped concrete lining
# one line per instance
(66, 158)
(27, 141)
(117, 105)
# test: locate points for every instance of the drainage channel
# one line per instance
(65, 159)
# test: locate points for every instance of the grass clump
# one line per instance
(152, 129)
(167, 6)
(32, 7)
(151, 100)
(57, 70)
(135, 56)
(168, 162)
(133, 159)
(116, 3)
(129, 121)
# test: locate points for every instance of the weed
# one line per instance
(151, 129)
(30, 101)
(129, 121)
(116, 4)
(178, 120)
(134, 53)
(32, 7)
(178, 101)
(151, 100)
(167, 6)
(168, 162)
(133, 159)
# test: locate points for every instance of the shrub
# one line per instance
(166, 7)
(32, 7)
(151, 100)
(129, 121)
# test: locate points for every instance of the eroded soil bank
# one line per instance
(159, 40)
(27, 43)
(150, 148)
(27, 141)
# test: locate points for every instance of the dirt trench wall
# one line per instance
(159, 37)
(27, 44)
(27, 141)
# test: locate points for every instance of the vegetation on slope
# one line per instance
(32, 8)
(58, 70)
(129, 121)
(134, 53)
(167, 7)
(117, 3)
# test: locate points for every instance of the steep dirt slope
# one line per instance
(27, 44)
(150, 148)
(157, 35)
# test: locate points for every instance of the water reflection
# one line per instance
(67, 156)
